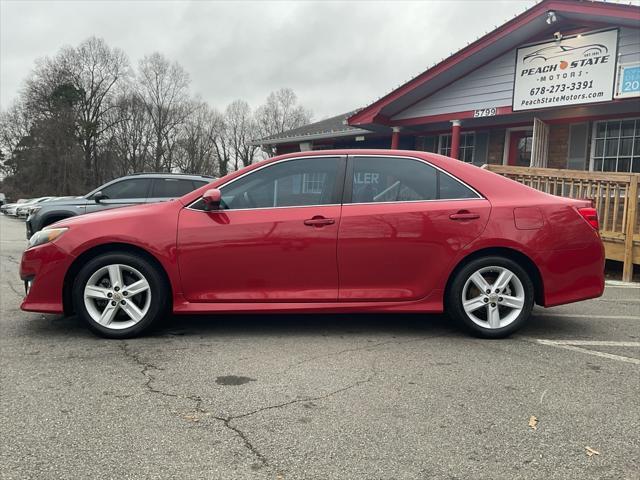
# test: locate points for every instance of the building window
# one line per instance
(467, 146)
(616, 146)
(313, 182)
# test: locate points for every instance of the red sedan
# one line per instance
(328, 231)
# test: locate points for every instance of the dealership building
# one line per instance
(558, 86)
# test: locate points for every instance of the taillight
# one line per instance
(591, 216)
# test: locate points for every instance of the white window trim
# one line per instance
(442, 135)
(594, 129)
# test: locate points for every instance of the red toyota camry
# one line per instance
(325, 231)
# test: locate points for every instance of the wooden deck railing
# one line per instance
(615, 196)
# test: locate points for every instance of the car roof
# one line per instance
(490, 185)
(183, 176)
(188, 176)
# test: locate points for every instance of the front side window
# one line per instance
(391, 179)
(617, 146)
(130, 188)
(292, 183)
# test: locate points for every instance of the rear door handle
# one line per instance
(319, 221)
(464, 215)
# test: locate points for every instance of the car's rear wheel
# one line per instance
(120, 295)
(491, 296)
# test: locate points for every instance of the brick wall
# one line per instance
(558, 146)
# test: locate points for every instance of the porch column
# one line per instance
(455, 139)
(395, 138)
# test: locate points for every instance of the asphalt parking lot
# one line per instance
(320, 396)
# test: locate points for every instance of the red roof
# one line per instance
(499, 40)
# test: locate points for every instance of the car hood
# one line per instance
(67, 202)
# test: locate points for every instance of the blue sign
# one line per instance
(629, 81)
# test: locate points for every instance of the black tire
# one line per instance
(159, 293)
(454, 300)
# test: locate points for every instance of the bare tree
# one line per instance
(163, 87)
(222, 144)
(15, 125)
(94, 68)
(196, 147)
(240, 129)
(130, 135)
(280, 113)
(88, 72)
(84, 117)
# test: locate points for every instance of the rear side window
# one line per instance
(173, 187)
(130, 188)
(450, 188)
(391, 179)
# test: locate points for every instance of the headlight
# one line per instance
(33, 210)
(45, 236)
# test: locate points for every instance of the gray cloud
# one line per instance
(335, 55)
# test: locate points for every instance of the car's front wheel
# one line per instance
(120, 295)
(492, 296)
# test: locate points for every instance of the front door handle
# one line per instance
(319, 221)
(464, 215)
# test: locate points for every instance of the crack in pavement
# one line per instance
(227, 420)
(147, 367)
(340, 390)
(14, 289)
(334, 354)
(369, 347)
(247, 443)
(11, 259)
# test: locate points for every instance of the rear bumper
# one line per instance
(572, 275)
(45, 268)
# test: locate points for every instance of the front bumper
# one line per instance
(43, 270)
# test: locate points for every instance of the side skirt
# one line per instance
(431, 304)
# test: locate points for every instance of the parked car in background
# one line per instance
(129, 190)
(325, 231)
(10, 208)
(3, 199)
(23, 209)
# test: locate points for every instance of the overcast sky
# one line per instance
(335, 55)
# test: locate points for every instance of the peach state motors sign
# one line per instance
(571, 71)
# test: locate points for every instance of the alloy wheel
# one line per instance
(493, 297)
(117, 296)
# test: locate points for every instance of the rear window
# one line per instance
(450, 188)
(173, 187)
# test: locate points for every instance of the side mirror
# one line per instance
(99, 196)
(212, 199)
